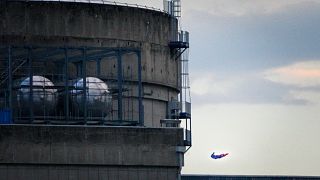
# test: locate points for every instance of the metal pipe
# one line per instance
(66, 75)
(30, 84)
(119, 63)
(10, 80)
(84, 74)
(141, 113)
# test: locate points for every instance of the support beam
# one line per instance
(120, 81)
(66, 83)
(10, 79)
(141, 113)
(98, 65)
(30, 69)
(84, 78)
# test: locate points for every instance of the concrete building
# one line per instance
(60, 126)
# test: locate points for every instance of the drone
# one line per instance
(213, 156)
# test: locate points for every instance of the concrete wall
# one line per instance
(55, 152)
(60, 172)
(95, 25)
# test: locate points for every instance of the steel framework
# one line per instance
(64, 66)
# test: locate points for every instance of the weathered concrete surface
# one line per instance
(45, 151)
(82, 20)
(61, 172)
(62, 24)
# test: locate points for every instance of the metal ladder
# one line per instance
(172, 7)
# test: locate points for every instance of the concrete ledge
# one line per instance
(75, 145)
(57, 172)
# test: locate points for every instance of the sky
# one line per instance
(255, 84)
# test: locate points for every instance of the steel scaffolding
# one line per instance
(55, 85)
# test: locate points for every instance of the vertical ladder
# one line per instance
(180, 45)
(185, 96)
(176, 8)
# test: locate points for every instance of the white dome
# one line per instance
(43, 96)
(38, 81)
(98, 97)
(95, 86)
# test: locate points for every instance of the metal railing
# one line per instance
(101, 2)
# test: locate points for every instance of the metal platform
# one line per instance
(178, 44)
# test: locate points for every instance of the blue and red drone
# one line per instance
(213, 156)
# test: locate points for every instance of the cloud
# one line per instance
(225, 7)
(240, 7)
(310, 97)
(254, 41)
(246, 88)
(205, 84)
(296, 84)
(301, 74)
(302, 78)
(237, 49)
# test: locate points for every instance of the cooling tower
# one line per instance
(99, 34)
(91, 90)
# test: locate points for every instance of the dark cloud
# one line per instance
(254, 41)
